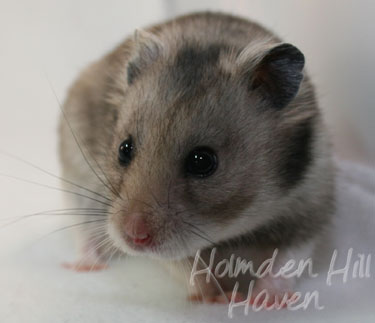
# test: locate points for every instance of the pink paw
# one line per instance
(261, 301)
(273, 301)
(80, 266)
(217, 299)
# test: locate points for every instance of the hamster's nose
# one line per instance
(137, 229)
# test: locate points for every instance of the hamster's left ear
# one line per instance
(276, 72)
(147, 49)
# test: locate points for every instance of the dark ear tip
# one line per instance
(280, 74)
(289, 51)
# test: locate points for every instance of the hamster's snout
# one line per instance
(136, 230)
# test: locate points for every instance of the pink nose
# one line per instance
(136, 227)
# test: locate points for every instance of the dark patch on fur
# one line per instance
(133, 72)
(279, 75)
(192, 63)
(297, 154)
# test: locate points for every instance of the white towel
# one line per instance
(34, 288)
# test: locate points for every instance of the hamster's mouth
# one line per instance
(140, 244)
(151, 248)
(149, 245)
(137, 246)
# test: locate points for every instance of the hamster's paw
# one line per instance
(260, 300)
(82, 266)
(225, 298)
(271, 301)
(273, 293)
(90, 258)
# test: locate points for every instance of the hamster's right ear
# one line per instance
(147, 49)
(274, 71)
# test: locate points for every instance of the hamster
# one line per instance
(197, 133)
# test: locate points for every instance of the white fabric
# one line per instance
(34, 288)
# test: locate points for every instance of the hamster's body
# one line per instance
(209, 85)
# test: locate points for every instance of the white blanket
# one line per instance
(34, 287)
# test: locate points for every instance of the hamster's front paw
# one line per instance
(224, 298)
(86, 263)
(272, 293)
(84, 266)
(268, 293)
(91, 258)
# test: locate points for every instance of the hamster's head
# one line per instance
(207, 138)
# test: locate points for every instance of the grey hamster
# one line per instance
(199, 132)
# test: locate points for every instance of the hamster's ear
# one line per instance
(147, 49)
(276, 72)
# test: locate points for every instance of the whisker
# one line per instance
(199, 230)
(154, 197)
(115, 249)
(56, 211)
(202, 237)
(54, 188)
(199, 235)
(143, 202)
(70, 227)
(106, 177)
(53, 175)
(186, 210)
(100, 230)
(94, 250)
(24, 217)
(112, 189)
(67, 228)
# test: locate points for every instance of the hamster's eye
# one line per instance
(125, 152)
(201, 162)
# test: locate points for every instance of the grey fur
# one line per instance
(186, 84)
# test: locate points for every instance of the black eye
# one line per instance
(125, 152)
(201, 162)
